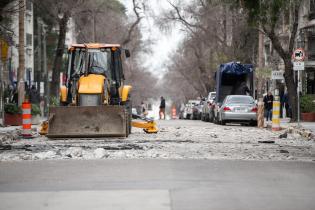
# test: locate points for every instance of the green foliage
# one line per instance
(265, 11)
(307, 104)
(12, 108)
(54, 101)
(35, 110)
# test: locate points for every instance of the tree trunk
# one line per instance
(291, 86)
(288, 70)
(55, 83)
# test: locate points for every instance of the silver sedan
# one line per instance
(239, 109)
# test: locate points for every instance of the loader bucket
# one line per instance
(87, 121)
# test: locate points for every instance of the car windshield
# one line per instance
(99, 61)
(240, 100)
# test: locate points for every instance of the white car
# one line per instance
(206, 108)
(189, 108)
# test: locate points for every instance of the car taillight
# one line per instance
(254, 109)
(226, 109)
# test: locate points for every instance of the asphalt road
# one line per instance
(157, 184)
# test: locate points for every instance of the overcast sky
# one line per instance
(164, 43)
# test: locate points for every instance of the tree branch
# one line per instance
(295, 27)
(134, 25)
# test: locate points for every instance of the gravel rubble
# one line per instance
(177, 139)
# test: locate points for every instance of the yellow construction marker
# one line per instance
(148, 127)
(276, 116)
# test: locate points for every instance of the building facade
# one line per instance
(13, 55)
(306, 40)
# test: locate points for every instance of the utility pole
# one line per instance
(39, 51)
(1, 85)
(260, 63)
(46, 77)
(21, 70)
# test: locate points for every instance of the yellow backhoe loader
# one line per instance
(94, 101)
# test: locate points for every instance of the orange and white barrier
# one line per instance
(276, 116)
(26, 119)
(174, 113)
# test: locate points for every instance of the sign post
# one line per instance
(298, 65)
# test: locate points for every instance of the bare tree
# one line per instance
(216, 33)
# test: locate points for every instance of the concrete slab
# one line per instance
(83, 200)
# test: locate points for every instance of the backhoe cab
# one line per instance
(94, 100)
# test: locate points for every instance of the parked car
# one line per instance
(238, 108)
(189, 108)
(205, 113)
(197, 110)
(134, 111)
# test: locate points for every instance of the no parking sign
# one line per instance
(298, 55)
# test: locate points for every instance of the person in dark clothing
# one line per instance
(33, 95)
(162, 108)
(286, 105)
(240, 89)
(268, 101)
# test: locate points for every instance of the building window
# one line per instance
(29, 39)
(311, 47)
(29, 5)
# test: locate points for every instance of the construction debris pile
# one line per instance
(176, 140)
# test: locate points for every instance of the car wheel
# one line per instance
(253, 123)
(202, 117)
(215, 120)
(211, 117)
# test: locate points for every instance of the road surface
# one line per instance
(157, 184)
(177, 139)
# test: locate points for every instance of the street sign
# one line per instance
(277, 75)
(298, 55)
(298, 66)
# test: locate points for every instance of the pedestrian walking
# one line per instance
(34, 97)
(162, 108)
(287, 104)
(268, 101)
(144, 109)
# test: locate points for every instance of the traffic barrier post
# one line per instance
(276, 115)
(26, 119)
(174, 112)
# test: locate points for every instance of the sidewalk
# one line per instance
(308, 125)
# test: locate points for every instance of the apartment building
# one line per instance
(306, 40)
(13, 55)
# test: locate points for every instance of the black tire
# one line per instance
(215, 120)
(253, 123)
(128, 106)
(207, 118)
(187, 116)
(202, 117)
(211, 117)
